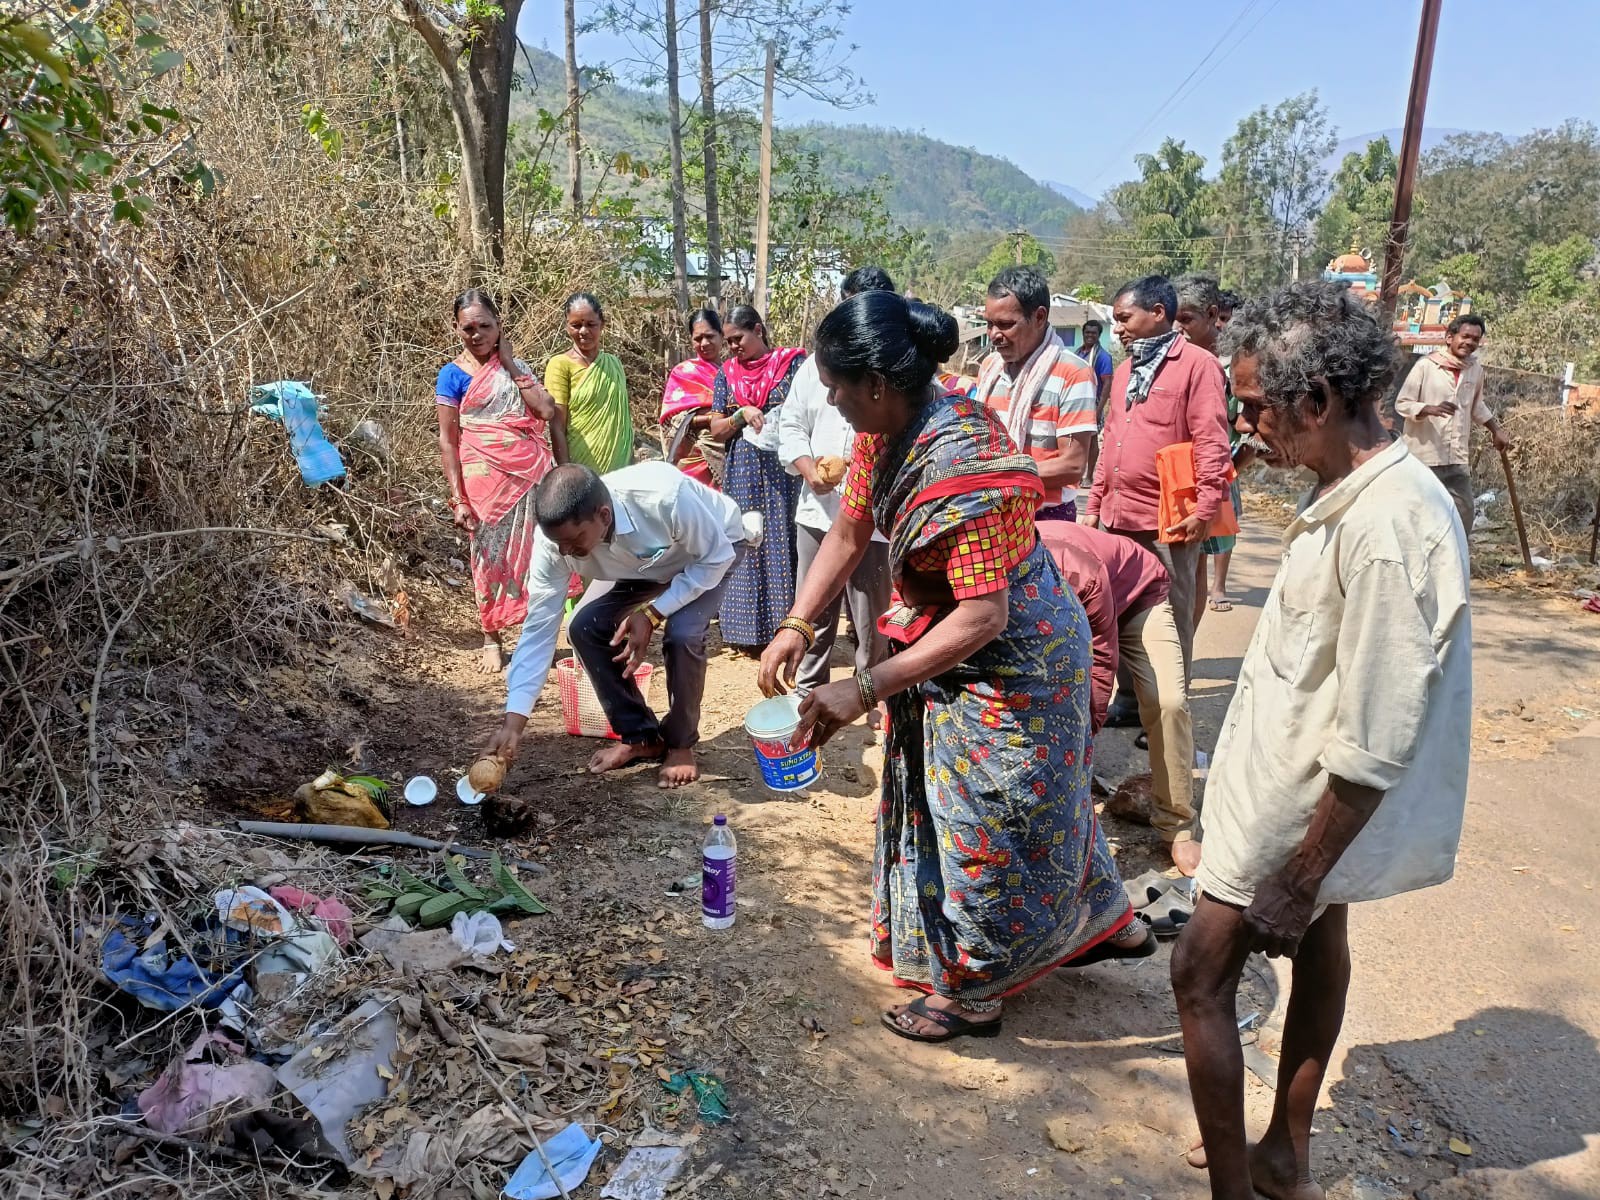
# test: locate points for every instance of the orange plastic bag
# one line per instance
(1180, 494)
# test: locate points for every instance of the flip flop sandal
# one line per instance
(1167, 916)
(954, 1025)
(1106, 949)
(1220, 605)
(1142, 742)
(1147, 887)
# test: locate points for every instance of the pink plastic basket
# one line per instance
(580, 707)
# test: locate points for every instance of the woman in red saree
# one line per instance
(498, 435)
(686, 401)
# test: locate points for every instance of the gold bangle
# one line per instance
(801, 626)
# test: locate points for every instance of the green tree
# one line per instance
(1015, 249)
(1497, 198)
(1271, 185)
(1360, 203)
(1551, 272)
(68, 117)
(1165, 212)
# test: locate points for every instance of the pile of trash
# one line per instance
(334, 1020)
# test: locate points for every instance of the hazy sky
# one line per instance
(1069, 91)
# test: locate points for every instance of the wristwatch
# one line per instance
(653, 615)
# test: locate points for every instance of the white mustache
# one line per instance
(1253, 440)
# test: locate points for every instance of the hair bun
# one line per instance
(933, 330)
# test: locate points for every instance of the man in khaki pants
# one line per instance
(1123, 588)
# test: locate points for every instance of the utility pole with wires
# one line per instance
(1405, 184)
(764, 205)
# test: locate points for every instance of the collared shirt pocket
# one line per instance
(1288, 639)
(1161, 409)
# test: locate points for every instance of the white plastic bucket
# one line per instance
(785, 765)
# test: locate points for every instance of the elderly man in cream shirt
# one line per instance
(1341, 772)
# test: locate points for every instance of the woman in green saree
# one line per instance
(590, 391)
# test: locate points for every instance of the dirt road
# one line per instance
(1473, 1014)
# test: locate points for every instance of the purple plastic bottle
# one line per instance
(717, 875)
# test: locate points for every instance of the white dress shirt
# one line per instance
(809, 425)
(1360, 667)
(668, 528)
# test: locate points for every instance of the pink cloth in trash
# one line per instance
(334, 915)
(189, 1090)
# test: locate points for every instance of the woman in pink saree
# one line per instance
(498, 435)
(686, 404)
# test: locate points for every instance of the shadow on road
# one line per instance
(1518, 1085)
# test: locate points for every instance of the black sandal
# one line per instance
(1106, 949)
(954, 1025)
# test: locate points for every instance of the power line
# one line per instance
(1173, 100)
(1162, 107)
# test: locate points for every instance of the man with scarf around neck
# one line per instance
(1166, 391)
(1042, 393)
(1440, 401)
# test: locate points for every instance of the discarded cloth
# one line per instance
(711, 1096)
(295, 405)
(192, 1088)
(301, 955)
(165, 979)
(334, 915)
(571, 1152)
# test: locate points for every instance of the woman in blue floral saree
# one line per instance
(991, 869)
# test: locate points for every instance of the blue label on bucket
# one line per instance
(787, 772)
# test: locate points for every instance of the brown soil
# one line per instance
(1083, 1095)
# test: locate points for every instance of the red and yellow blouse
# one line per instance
(974, 555)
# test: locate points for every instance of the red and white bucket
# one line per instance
(580, 707)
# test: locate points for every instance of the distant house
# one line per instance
(1067, 317)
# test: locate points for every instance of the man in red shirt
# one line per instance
(1165, 392)
(1123, 588)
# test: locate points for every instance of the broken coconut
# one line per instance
(831, 469)
(331, 799)
(487, 774)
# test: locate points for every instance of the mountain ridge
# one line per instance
(930, 183)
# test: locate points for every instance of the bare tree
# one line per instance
(708, 134)
(654, 33)
(680, 248)
(475, 50)
(574, 161)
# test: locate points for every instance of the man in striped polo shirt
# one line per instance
(1041, 391)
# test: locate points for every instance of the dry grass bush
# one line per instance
(1556, 460)
(156, 543)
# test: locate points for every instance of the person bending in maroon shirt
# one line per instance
(1123, 589)
(1166, 391)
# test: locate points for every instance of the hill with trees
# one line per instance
(931, 184)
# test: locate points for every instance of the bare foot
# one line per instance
(494, 657)
(679, 769)
(1275, 1174)
(1186, 856)
(614, 758)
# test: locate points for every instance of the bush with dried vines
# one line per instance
(157, 547)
